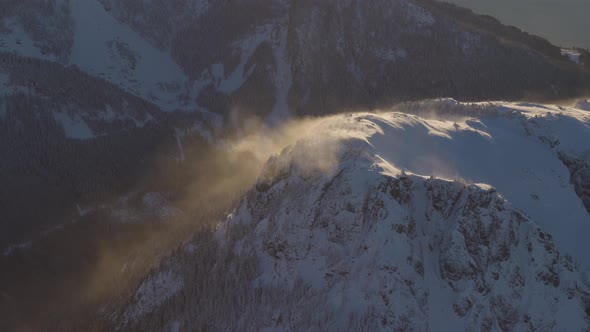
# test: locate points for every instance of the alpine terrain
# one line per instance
(428, 217)
(289, 165)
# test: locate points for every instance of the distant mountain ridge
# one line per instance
(301, 57)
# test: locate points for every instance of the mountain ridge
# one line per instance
(273, 58)
(337, 233)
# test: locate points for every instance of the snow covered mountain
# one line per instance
(434, 216)
(134, 75)
(116, 114)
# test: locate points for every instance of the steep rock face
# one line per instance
(346, 230)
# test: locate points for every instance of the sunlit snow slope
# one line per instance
(514, 148)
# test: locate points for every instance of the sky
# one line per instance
(563, 22)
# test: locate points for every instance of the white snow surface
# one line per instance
(446, 216)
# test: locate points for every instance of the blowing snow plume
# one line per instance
(121, 239)
(231, 166)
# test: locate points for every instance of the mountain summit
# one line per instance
(433, 218)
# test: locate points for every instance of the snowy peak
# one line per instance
(425, 217)
(411, 251)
